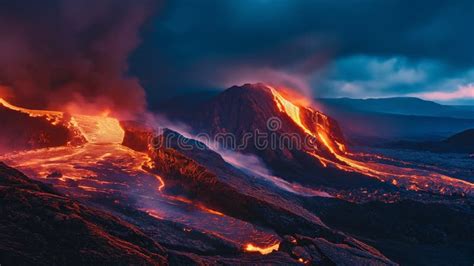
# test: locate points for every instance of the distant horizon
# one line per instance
(469, 103)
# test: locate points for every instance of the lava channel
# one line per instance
(103, 168)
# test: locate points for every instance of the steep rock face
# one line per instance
(67, 230)
(137, 136)
(200, 174)
(252, 107)
(26, 132)
(40, 226)
(251, 119)
(203, 176)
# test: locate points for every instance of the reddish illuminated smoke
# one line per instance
(71, 55)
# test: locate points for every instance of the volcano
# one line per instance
(185, 200)
(307, 141)
(253, 108)
(304, 145)
(173, 196)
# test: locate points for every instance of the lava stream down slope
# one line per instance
(410, 179)
(101, 166)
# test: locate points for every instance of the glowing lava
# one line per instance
(99, 129)
(411, 179)
(264, 250)
(104, 168)
(53, 116)
(292, 110)
(95, 129)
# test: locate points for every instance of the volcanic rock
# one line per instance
(23, 132)
(40, 226)
(203, 176)
(252, 110)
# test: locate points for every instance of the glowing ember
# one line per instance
(264, 250)
(341, 146)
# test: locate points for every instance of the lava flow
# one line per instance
(265, 250)
(99, 129)
(411, 179)
(103, 168)
(53, 116)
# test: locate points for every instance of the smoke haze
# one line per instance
(71, 55)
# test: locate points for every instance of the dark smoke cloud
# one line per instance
(210, 43)
(69, 54)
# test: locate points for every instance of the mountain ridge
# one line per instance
(362, 126)
(402, 106)
(250, 108)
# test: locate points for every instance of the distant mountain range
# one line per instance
(248, 108)
(161, 197)
(397, 118)
(368, 121)
(402, 106)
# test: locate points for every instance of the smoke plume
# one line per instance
(71, 55)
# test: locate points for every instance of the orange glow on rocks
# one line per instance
(292, 110)
(99, 129)
(52, 116)
(103, 135)
(411, 179)
(197, 205)
(95, 129)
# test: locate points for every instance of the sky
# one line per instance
(127, 54)
(352, 48)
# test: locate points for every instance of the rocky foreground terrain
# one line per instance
(110, 192)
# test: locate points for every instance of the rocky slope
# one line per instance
(26, 132)
(42, 227)
(202, 175)
(38, 216)
(159, 197)
(239, 116)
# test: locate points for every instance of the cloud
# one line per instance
(369, 76)
(230, 77)
(195, 40)
(461, 93)
(72, 55)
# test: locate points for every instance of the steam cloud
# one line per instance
(71, 55)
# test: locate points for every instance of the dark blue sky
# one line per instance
(59, 52)
(353, 48)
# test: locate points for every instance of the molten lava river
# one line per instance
(407, 178)
(102, 167)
